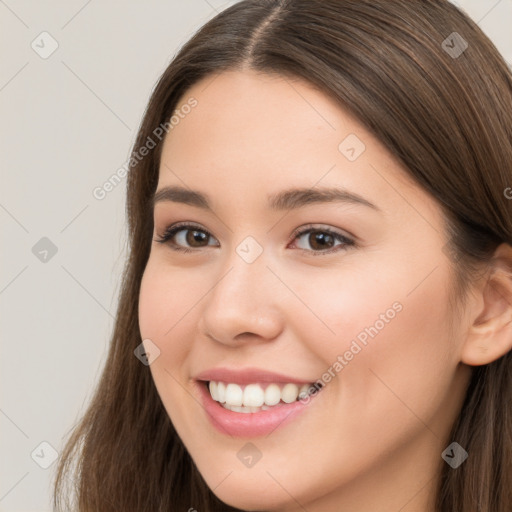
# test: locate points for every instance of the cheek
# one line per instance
(382, 344)
(166, 317)
(163, 305)
(152, 297)
(334, 310)
(167, 297)
(402, 360)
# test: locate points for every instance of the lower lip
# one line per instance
(254, 424)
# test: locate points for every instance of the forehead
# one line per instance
(252, 134)
(248, 109)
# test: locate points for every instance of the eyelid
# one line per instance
(301, 230)
(346, 240)
(171, 230)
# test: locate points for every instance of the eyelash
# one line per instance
(172, 230)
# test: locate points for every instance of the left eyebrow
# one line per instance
(290, 199)
(298, 197)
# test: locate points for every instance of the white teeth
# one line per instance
(234, 394)
(272, 394)
(221, 392)
(243, 409)
(254, 397)
(303, 391)
(289, 393)
(213, 390)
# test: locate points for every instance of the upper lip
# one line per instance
(247, 376)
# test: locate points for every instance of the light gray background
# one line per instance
(67, 124)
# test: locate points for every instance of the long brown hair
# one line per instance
(441, 103)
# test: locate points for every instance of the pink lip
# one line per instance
(249, 425)
(247, 376)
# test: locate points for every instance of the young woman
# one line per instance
(316, 313)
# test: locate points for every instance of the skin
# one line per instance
(372, 438)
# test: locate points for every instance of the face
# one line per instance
(271, 289)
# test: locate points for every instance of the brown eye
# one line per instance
(195, 238)
(322, 240)
(183, 236)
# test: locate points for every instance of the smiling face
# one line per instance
(351, 291)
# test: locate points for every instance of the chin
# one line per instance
(248, 495)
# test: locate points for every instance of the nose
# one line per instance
(242, 306)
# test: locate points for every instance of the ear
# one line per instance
(490, 335)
